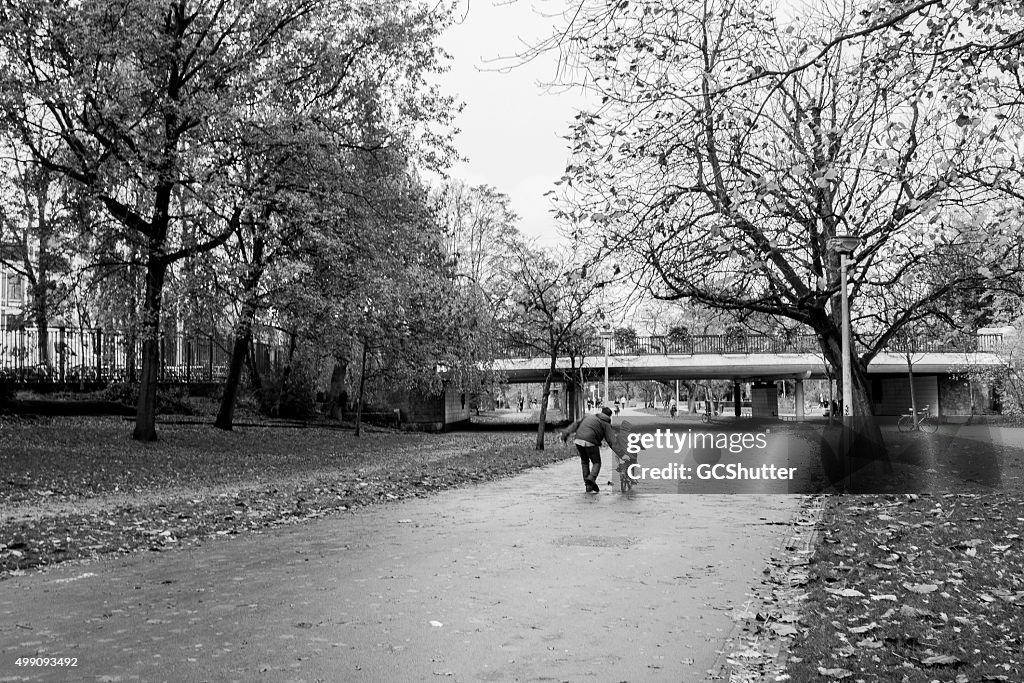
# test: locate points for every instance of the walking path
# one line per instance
(520, 579)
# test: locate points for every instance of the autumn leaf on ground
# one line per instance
(941, 660)
(837, 674)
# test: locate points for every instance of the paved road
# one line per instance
(517, 580)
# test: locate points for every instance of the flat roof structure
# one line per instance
(740, 366)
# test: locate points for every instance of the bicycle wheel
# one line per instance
(928, 424)
(906, 423)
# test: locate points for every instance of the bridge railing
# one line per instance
(97, 356)
(982, 343)
(755, 344)
(714, 343)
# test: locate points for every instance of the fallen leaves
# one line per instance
(835, 674)
(77, 488)
(924, 583)
(922, 588)
(771, 619)
(941, 660)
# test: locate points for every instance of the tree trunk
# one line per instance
(145, 413)
(831, 399)
(571, 393)
(286, 371)
(362, 384)
(254, 372)
(243, 335)
(865, 435)
(38, 274)
(41, 304)
(42, 332)
(131, 338)
(239, 350)
(545, 393)
(337, 396)
(913, 398)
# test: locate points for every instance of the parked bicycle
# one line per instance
(925, 421)
(625, 481)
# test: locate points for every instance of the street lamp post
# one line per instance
(606, 334)
(845, 245)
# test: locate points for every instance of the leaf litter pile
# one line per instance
(77, 488)
(917, 588)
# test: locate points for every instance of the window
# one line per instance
(15, 288)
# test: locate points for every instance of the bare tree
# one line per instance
(550, 306)
(727, 190)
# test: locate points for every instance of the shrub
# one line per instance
(289, 395)
(174, 401)
(679, 339)
(626, 340)
(169, 400)
(121, 392)
(6, 396)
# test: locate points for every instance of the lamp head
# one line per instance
(844, 244)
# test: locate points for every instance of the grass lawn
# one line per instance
(73, 488)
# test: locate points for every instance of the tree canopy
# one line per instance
(259, 130)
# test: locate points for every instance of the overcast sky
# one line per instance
(511, 128)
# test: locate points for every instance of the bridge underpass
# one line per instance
(763, 364)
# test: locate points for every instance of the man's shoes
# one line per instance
(592, 486)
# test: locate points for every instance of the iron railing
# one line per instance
(96, 356)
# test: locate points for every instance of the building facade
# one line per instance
(13, 298)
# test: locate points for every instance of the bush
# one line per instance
(169, 400)
(174, 401)
(121, 392)
(291, 395)
(6, 396)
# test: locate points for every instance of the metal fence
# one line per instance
(754, 344)
(96, 356)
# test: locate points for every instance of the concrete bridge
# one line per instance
(762, 361)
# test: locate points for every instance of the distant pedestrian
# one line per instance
(672, 407)
(590, 431)
(520, 404)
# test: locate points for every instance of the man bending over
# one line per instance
(590, 430)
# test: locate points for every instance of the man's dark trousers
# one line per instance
(588, 455)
